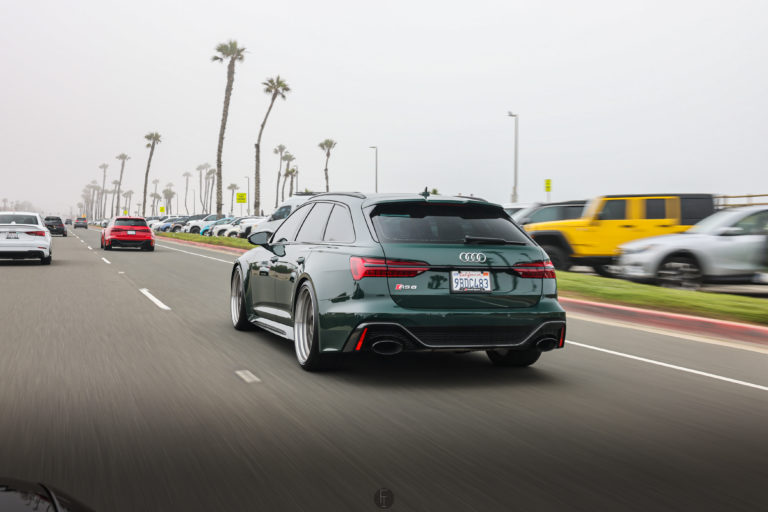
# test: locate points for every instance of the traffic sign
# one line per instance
(162, 209)
(547, 185)
(125, 212)
(242, 197)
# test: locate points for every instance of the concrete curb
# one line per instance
(673, 321)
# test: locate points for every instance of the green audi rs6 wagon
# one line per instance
(349, 273)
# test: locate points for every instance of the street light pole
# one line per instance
(248, 191)
(376, 149)
(514, 186)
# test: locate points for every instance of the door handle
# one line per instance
(300, 260)
(273, 259)
(627, 225)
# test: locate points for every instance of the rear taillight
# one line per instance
(535, 270)
(379, 267)
(36, 233)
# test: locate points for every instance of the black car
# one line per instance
(81, 222)
(68, 221)
(55, 225)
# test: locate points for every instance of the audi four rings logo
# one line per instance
(472, 257)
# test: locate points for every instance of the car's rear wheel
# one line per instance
(46, 260)
(233, 235)
(194, 230)
(237, 303)
(680, 272)
(149, 248)
(107, 245)
(64, 233)
(557, 256)
(176, 229)
(306, 330)
(517, 358)
(101, 243)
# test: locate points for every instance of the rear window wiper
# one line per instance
(490, 240)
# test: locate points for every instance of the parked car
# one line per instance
(512, 208)
(55, 226)
(155, 221)
(609, 221)
(347, 273)
(128, 232)
(81, 222)
(278, 216)
(23, 235)
(547, 212)
(165, 225)
(207, 230)
(236, 227)
(729, 246)
(179, 224)
(196, 225)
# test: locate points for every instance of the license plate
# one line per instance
(131, 232)
(463, 281)
(12, 235)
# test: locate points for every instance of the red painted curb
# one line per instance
(675, 321)
(234, 250)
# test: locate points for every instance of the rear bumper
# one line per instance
(131, 242)
(22, 253)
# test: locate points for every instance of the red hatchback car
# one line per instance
(128, 232)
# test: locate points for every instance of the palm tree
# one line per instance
(114, 190)
(232, 188)
(279, 150)
(122, 157)
(296, 174)
(94, 186)
(287, 158)
(5, 203)
(128, 194)
(291, 173)
(80, 206)
(186, 175)
(168, 194)
(274, 87)
(200, 169)
(103, 168)
(234, 53)
(327, 145)
(210, 177)
(153, 139)
(155, 198)
(154, 205)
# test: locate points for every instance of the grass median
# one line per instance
(710, 305)
(224, 241)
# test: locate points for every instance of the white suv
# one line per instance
(277, 217)
(196, 225)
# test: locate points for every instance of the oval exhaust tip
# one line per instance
(546, 344)
(387, 347)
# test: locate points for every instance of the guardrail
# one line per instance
(743, 200)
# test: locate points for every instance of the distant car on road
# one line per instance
(728, 247)
(68, 222)
(346, 273)
(81, 222)
(128, 232)
(23, 235)
(55, 226)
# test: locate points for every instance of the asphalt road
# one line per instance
(132, 407)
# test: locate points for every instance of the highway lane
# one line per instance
(132, 407)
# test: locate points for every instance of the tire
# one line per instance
(195, 230)
(604, 270)
(557, 256)
(176, 229)
(149, 248)
(516, 358)
(306, 327)
(233, 235)
(64, 234)
(107, 247)
(46, 260)
(101, 243)
(679, 272)
(237, 302)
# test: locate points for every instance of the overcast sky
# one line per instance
(613, 97)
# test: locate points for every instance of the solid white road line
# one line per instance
(106, 261)
(671, 366)
(90, 248)
(247, 376)
(120, 272)
(228, 262)
(154, 299)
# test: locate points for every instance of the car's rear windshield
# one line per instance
(9, 218)
(130, 222)
(53, 219)
(442, 223)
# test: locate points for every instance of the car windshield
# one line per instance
(17, 219)
(443, 223)
(130, 222)
(717, 220)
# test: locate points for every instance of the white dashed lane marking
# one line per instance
(154, 299)
(247, 376)
(106, 261)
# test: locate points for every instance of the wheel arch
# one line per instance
(683, 253)
(556, 238)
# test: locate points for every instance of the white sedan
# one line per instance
(23, 235)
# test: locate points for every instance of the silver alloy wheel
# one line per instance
(304, 325)
(680, 273)
(236, 297)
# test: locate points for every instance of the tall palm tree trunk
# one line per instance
(290, 189)
(327, 157)
(202, 201)
(257, 146)
(224, 115)
(103, 194)
(112, 207)
(279, 165)
(232, 202)
(146, 179)
(186, 190)
(285, 181)
(122, 168)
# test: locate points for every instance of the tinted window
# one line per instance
(756, 224)
(614, 209)
(694, 209)
(313, 228)
(287, 230)
(655, 209)
(545, 214)
(53, 218)
(340, 228)
(572, 211)
(130, 222)
(442, 223)
(18, 219)
(281, 213)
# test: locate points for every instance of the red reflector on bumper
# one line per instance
(362, 338)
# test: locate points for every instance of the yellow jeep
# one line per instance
(609, 221)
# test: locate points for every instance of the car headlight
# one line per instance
(637, 248)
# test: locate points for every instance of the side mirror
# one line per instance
(731, 231)
(260, 237)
